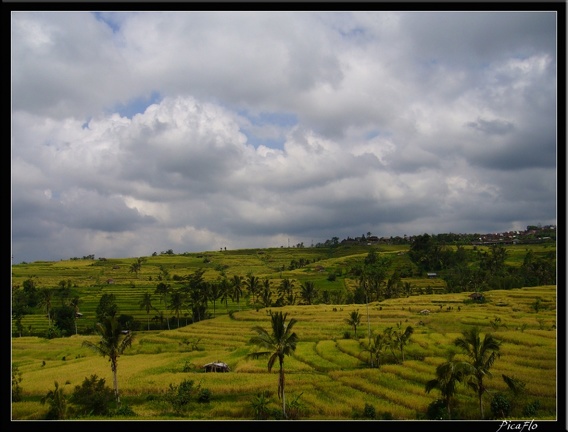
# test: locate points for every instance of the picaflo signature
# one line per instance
(518, 426)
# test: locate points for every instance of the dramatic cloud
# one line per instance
(135, 133)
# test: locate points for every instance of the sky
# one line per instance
(142, 132)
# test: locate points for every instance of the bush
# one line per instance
(531, 408)
(369, 412)
(259, 405)
(124, 410)
(500, 406)
(179, 396)
(16, 380)
(204, 396)
(57, 402)
(437, 410)
(93, 397)
(294, 408)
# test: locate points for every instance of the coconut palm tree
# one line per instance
(308, 292)
(146, 303)
(482, 355)
(214, 293)
(57, 402)
(448, 375)
(237, 288)
(225, 287)
(375, 347)
(74, 303)
(177, 303)
(46, 297)
(252, 283)
(112, 344)
(163, 289)
(281, 342)
(354, 320)
(266, 293)
(401, 338)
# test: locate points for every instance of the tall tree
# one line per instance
(481, 354)
(402, 338)
(266, 293)
(253, 286)
(163, 289)
(176, 305)
(308, 292)
(45, 299)
(354, 320)
(112, 344)
(107, 306)
(214, 293)
(281, 342)
(237, 288)
(226, 290)
(448, 375)
(74, 303)
(146, 303)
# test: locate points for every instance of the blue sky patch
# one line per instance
(137, 105)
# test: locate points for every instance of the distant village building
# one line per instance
(432, 275)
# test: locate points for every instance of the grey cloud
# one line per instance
(492, 127)
(393, 123)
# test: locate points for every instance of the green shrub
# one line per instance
(531, 408)
(57, 402)
(16, 380)
(500, 406)
(259, 405)
(294, 409)
(124, 410)
(179, 396)
(437, 410)
(92, 397)
(369, 412)
(204, 396)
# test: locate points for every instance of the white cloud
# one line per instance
(263, 127)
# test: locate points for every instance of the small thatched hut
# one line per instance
(216, 367)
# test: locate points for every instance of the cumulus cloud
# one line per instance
(138, 132)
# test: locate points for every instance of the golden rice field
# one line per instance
(328, 373)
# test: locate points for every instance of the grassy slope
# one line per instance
(327, 370)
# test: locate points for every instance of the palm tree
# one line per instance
(146, 303)
(176, 305)
(57, 402)
(225, 287)
(375, 348)
(286, 290)
(214, 293)
(280, 343)
(253, 285)
(112, 344)
(308, 292)
(354, 320)
(266, 293)
(482, 355)
(75, 305)
(136, 266)
(401, 338)
(448, 375)
(46, 297)
(163, 289)
(237, 288)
